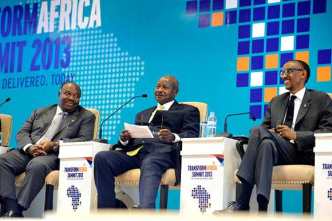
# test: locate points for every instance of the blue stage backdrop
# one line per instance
(227, 53)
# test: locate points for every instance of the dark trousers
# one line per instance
(14, 163)
(109, 164)
(265, 149)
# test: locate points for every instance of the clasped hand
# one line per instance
(42, 148)
(285, 132)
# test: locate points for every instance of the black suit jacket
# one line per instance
(77, 126)
(315, 116)
(181, 119)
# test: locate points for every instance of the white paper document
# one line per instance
(137, 131)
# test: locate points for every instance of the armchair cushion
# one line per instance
(292, 176)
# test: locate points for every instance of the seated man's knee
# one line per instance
(267, 144)
(149, 163)
(100, 157)
(104, 158)
(37, 166)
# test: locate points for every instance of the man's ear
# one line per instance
(305, 75)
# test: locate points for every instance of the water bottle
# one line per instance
(211, 126)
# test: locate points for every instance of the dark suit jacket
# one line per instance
(181, 119)
(315, 116)
(77, 126)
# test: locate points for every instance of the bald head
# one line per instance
(172, 81)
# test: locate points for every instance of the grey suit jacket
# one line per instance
(78, 126)
(315, 116)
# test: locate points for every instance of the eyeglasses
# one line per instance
(288, 71)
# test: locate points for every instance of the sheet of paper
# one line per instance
(138, 131)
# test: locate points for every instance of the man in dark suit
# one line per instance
(286, 135)
(170, 121)
(37, 150)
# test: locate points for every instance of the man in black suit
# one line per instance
(286, 135)
(37, 147)
(170, 121)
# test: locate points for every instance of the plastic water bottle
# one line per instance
(211, 126)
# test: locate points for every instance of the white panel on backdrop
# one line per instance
(258, 30)
(231, 4)
(256, 78)
(287, 43)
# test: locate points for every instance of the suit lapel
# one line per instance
(69, 119)
(149, 113)
(48, 117)
(174, 105)
(304, 106)
(282, 109)
(145, 118)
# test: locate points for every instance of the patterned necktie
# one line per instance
(290, 112)
(54, 127)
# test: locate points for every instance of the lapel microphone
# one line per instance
(114, 112)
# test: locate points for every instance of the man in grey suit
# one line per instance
(38, 144)
(286, 135)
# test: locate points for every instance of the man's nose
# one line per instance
(284, 76)
(159, 90)
(71, 97)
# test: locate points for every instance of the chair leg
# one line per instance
(237, 191)
(278, 200)
(306, 194)
(163, 196)
(49, 197)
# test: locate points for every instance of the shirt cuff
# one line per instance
(124, 143)
(176, 138)
(25, 148)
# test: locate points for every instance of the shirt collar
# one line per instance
(300, 94)
(60, 111)
(166, 106)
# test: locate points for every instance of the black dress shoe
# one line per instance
(2, 212)
(119, 204)
(232, 206)
(12, 213)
